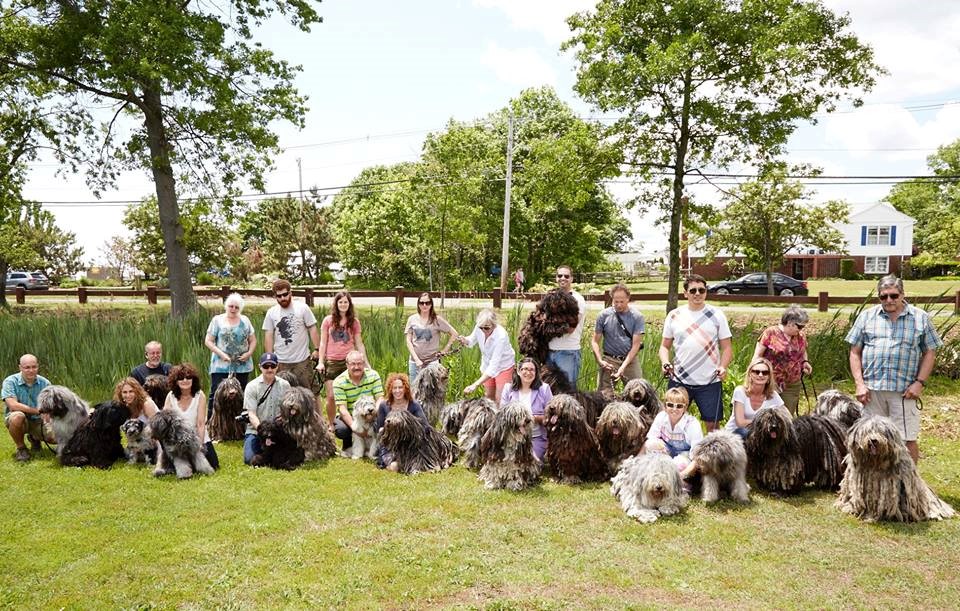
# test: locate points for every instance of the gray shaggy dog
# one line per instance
(507, 450)
(620, 433)
(140, 445)
(573, 453)
(430, 390)
(839, 406)
(156, 387)
(722, 462)
(452, 415)
(364, 419)
(290, 377)
(881, 482)
(416, 446)
(67, 412)
(642, 395)
(298, 415)
(227, 405)
(648, 486)
(180, 449)
(478, 418)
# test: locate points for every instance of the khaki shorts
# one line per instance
(891, 404)
(604, 379)
(36, 428)
(305, 371)
(333, 368)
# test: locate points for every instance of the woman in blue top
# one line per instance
(398, 397)
(527, 388)
(231, 340)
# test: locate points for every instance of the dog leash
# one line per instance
(813, 387)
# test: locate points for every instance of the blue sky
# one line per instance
(382, 74)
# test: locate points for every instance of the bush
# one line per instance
(847, 270)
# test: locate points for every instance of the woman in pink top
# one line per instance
(786, 348)
(339, 334)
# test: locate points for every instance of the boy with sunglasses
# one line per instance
(700, 338)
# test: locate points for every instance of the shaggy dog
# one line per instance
(140, 446)
(430, 390)
(841, 407)
(572, 449)
(881, 481)
(280, 450)
(97, 442)
(556, 314)
(774, 453)
(478, 417)
(592, 402)
(67, 412)
(290, 377)
(227, 405)
(823, 447)
(415, 445)
(298, 415)
(722, 463)
(180, 447)
(620, 433)
(507, 450)
(642, 395)
(364, 418)
(649, 486)
(157, 388)
(452, 415)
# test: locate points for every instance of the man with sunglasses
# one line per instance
(564, 351)
(892, 351)
(700, 338)
(261, 401)
(288, 328)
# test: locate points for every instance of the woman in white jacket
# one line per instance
(497, 357)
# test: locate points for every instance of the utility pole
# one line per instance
(505, 254)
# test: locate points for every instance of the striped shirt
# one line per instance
(696, 339)
(892, 349)
(345, 391)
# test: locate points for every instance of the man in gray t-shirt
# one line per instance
(621, 331)
(288, 328)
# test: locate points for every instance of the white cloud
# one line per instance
(521, 67)
(548, 17)
(893, 127)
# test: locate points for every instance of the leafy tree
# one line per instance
(767, 218)
(291, 227)
(709, 82)
(198, 92)
(120, 254)
(31, 239)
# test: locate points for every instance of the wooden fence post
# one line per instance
(224, 292)
(398, 296)
(309, 297)
(607, 299)
(152, 295)
(497, 298)
(82, 294)
(956, 303)
(823, 299)
(21, 295)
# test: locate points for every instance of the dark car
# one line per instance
(756, 284)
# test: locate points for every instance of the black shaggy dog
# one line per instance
(180, 447)
(416, 446)
(97, 441)
(298, 416)
(592, 401)
(480, 414)
(573, 453)
(280, 450)
(555, 315)
(227, 405)
(823, 444)
(157, 388)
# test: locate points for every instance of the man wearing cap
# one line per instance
(357, 381)
(288, 328)
(19, 393)
(261, 401)
(621, 331)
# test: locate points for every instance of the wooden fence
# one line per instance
(821, 300)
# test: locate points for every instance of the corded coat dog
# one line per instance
(722, 462)
(839, 406)
(227, 405)
(97, 441)
(592, 401)
(156, 387)
(507, 450)
(573, 453)
(649, 486)
(279, 448)
(180, 449)
(479, 415)
(881, 482)
(620, 433)
(67, 412)
(556, 314)
(298, 415)
(642, 395)
(430, 390)
(416, 446)
(364, 437)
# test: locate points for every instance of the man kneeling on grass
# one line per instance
(20, 392)
(357, 381)
(261, 402)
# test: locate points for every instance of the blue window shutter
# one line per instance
(893, 235)
(863, 235)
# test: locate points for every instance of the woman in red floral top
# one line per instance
(786, 348)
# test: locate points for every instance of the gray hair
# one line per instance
(486, 316)
(233, 298)
(152, 343)
(888, 282)
(794, 314)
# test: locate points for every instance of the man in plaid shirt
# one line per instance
(892, 350)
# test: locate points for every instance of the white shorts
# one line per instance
(891, 404)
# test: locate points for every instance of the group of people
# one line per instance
(891, 357)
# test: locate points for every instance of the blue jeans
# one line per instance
(742, 432)
(708, 397)
(567, 361)
(412, 370)
(676, 447)
(251, 447)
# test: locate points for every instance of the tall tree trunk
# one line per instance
(183, 299)
(4, 268)
(678, 210)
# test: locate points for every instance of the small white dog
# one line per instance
(364, 418)
(648, 486)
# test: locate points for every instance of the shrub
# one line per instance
(847, 270)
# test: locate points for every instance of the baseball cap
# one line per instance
(269, 357)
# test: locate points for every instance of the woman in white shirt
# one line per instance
(496, 355)
(758, 391)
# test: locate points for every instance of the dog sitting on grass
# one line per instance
(506, 450)
(66, 410)
(364, 437)
(140, 445)
(97, 442)
(416, 446)
(227, 405)
(299, 418)
(620, 433)
(573, 453)
(279, 448)
(721, 462)
(430, 390)
(180, 449)
(648, 486)
(478, 417)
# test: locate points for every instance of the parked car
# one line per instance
(756, 284)
(28, 280)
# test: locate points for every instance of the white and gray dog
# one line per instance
(507, 450)
(477, 419)
(139, 442)
(840, 407)
(364, 435)
(722, 463)
(430, 390)
(648, 486)
(67, 412)
(881, 482)
(180, 447)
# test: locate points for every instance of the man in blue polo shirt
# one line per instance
(19, 394)
(892, 351)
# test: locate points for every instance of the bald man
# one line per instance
(19, 394)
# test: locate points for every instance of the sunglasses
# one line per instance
(799, 326)
(424, 303)
(760, 372)
(282, 295)
(184, 377)
(486, 328)
(268, 366)
(697, 290)
(563, 275)
(675, 405)
(889, 296)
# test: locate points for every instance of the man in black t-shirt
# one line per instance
(154, 365)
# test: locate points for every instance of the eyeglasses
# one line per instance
(268, 366)
(697, 290)
(799, 326)
(282, 295)
(890, 296)
(424, 303)
(675, 405)
(563, 275)
(760, 372)
(485, 328)
(527, 370)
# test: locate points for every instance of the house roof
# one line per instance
(878, 211)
